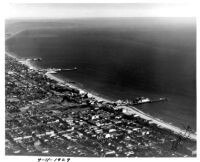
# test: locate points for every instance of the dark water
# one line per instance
(122, 59)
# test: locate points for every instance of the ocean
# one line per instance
(120, 58)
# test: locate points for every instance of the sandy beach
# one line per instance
(130, 109)
(160, 123)
(59, 80)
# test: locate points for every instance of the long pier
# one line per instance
(151, 101)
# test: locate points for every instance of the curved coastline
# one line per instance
(129, 109)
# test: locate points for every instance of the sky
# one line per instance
(78, 10)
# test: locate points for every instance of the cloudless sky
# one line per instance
(78, 10)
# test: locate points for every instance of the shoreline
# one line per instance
(160, 123)
(59, 80)
(129, 109)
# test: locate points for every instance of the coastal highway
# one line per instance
(133, 110)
